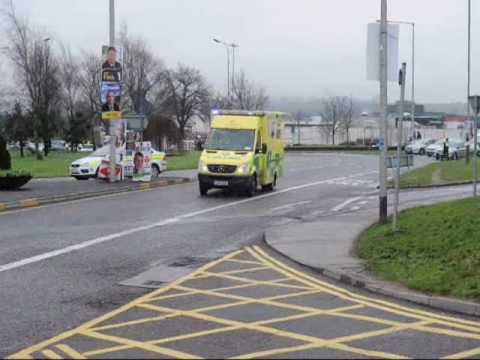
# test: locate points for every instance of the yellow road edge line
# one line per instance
(72, 353)
(3, 207)
(29, 203)
(419, 314)
(365, 352)
(25, 352)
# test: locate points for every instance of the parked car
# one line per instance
(87, 167)
(58, 145)
(432, 149)
(418, 147)
(456, 150)
(85, 148)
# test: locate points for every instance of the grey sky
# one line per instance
(293, 47)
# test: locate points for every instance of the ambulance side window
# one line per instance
(258, 148)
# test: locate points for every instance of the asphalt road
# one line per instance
(60, 265)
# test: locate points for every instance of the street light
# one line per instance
(412, 116)
(228, 46)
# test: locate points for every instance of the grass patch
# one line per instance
(442, 172)
(437, 250)
(56, 164)
(183, 161)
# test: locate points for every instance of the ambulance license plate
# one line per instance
(220, 183)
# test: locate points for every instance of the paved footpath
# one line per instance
(251, 305)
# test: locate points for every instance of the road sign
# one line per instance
(405, 161)
(137, 122)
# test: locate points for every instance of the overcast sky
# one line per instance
(293, 47)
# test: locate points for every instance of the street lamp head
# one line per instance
(217, 40)
(47, 39)
(233, 45)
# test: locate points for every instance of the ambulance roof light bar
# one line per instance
(238, 112)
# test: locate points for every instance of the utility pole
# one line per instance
(402, 80)
(412, 113)
(469, 79)
(383, 202)
(113, 140)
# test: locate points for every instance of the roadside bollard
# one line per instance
(467, 155)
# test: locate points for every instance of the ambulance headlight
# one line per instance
(244, 168)
(202, 167)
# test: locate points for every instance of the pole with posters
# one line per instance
(402, 80)
(113, 154)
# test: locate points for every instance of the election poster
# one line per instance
(111, 88)
(142, 167)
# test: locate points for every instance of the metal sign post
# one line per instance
(403, 74)
(475, 104)
(113, 153)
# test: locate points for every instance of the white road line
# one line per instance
(100, 240)
(345, 203)
(355, 208)
(363, 203)
(288, 206)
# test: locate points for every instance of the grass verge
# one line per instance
(437, 250)
(439, 173)
(183, 161)
(55, 165)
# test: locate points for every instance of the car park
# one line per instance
(88, 167)
(418, 147)
(456, 150)
(432, 149)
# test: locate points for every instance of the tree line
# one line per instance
(56, 93)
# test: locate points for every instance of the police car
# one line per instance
(88, 167)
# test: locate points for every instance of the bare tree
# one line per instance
(348, 114)
(89, 80)
(332, 115)
(144, 75)
(37, 68)
(18, 126)
(188, 96)
(247, 95)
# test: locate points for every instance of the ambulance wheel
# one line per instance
(251, 187)
(272, 186)
(203, 189)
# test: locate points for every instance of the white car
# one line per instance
(432, 149)
(456, 150)
(87, 167)
(418, 147)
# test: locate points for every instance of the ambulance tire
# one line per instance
(251, 188)
(203, 189)
(272, 186)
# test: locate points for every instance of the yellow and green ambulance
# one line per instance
(244, 152)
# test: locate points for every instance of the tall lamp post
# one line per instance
(475, 104)
(113, 140)
(230, 79)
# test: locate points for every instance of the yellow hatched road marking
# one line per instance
(464, 354)
(72, 353)
(140, 345)
(240, 261)
(32, 349)
(233, 272)
(136, 322)
(164, 297)
(375, 303)
(49, 354)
